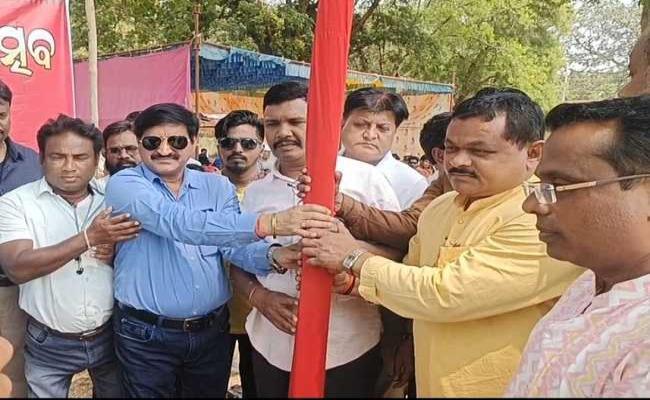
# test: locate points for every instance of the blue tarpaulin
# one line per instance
(228, 68)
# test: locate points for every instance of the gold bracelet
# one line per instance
(274, 225)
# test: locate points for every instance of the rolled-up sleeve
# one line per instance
(166, 218)
(506, 271)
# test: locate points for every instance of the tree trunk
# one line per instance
(92, 61)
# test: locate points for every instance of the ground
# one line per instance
(82, 386)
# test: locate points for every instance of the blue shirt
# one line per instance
(20, 166)
(174, 268)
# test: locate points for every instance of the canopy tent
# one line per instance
(230, 79)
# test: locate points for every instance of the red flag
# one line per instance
(36, 63)
(329, 67)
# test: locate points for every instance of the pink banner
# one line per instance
(36, 63)
(129, 84)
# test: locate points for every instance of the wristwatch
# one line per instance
(274, 264)
(351, 259)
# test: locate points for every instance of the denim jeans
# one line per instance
(160, 362)
(51, 361)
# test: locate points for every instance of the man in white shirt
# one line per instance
(370, 121)
(353, 359)
(48, 233)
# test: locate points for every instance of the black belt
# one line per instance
(83, 336)
(185, 325)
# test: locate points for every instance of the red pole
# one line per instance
(329, 67)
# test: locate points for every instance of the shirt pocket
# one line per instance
(449, 254)
(486, 377)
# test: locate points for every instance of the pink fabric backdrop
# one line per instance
(133, 83)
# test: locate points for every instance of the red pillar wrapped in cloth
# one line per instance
(329, 66)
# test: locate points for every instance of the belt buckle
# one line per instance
(193, 324)
(89, 334)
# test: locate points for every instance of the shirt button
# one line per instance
(196, 287)
(461, 221)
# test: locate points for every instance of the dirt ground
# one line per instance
(82, 387)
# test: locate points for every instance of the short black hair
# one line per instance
(285, 91)
(166, 113)
(375, 100)
(237, 118)
(524, 117)
(116, 128)
(132, 115)
(5, 92)
(630, 152)
(432, 135)
(64, 123)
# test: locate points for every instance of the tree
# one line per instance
(471, 42)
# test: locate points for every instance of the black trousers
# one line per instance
(354, 379)
(249, 391)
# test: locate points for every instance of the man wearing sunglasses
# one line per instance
(240, 136)
(476, 278)
(171, 290)
(593, 209)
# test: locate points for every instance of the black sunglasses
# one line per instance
(153, 142)
(228, 143)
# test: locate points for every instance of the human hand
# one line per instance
(404, 363)
(109, 230)
(344, 283)
(6, 352)
(329, 248)
(293, 221)
(104, 253)
(288, 257)
(304, 187)
(281, 310)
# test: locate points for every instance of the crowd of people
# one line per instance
(513, 259)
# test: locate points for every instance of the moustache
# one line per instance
(461, 171)
(285, 141)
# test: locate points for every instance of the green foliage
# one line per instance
(473, 43)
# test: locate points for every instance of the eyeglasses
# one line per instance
(153, 142)
(116, 151)
(228, 143)
(546, 193)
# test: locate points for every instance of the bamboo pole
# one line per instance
(92, 61)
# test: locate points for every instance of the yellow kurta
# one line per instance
(475, 283)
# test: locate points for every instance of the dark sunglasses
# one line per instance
(153, 142)
(228, 143)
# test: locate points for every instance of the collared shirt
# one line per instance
(174, 267)
(407, 183)
(476, 281)
(20, 166)
(355, 325)
(63, 300)
(590, 345)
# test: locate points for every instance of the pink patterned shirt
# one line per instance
(590, 346)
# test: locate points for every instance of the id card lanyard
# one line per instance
(80, 268)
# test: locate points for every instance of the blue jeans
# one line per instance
(160, 362)
(51, 361)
